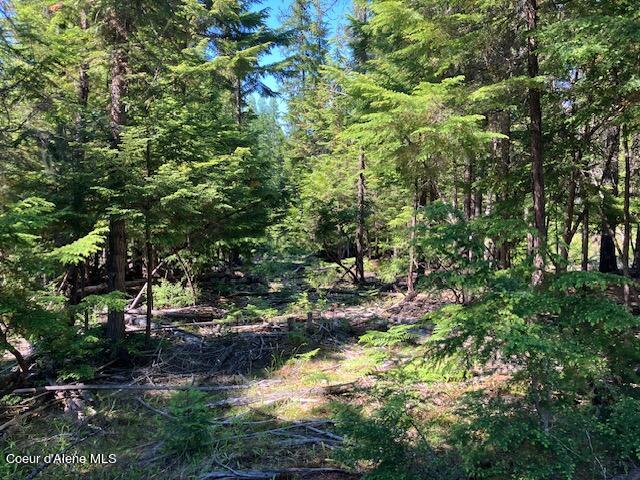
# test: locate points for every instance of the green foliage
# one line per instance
(301, 358)
(455, 248)
(390, 441)
(424, 369)
(259, 310)
(585, 441)
(621, 430)
(168, 294)
(322, 277)
(490, 433)
(302, 304)
(390, 269)
(111, 300)
(397, 334)
(64, 353)
(188, 432)
(76, 373)
(81, 249)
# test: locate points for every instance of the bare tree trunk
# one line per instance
(83, 282)
(116, 266)
(119, 66)
(412, 238)
(636, 252)
(149, 251)
(117, 252)
(360, 234)
(73, 271)
(537, 174)
(4, 343)
(627, 215)
(608, 258)
(585, 237)
(505, 160)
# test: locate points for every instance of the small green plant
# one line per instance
(389, 440)
(168, 294)
(259, 310)
(394, 336)
(303, 357)
(188, 432)
(76, 373)
(389, 270)
(324, 276)
(297, 338)
(492, 430)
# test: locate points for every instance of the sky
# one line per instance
(336, 11)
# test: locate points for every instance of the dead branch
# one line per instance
(127, 387)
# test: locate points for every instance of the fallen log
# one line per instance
(127, 387)
(186, 312)
(103, 287)
(144, 287)
(251, 328)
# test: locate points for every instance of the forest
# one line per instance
(320, 239)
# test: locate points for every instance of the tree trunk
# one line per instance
(505, 164)
(608, 258)
(636, 252)
(149, 301)
(627, 215)
(83, 283)
(537, 174)
(360, 234)
(73, 271)
(149, 250)
(412, 250)
(116, 267)
(117, 251)
(585, 237)
(119, 65)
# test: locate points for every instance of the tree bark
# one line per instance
(148, 249)
(505, 164)
(608, 258)
(636, 252)
(360, 233)
(73, 271)
(537, 174)
(118, 30)
(412, 249)
(627, 214)
(116, 267)
(585, 236)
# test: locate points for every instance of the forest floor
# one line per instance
(272, 383)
